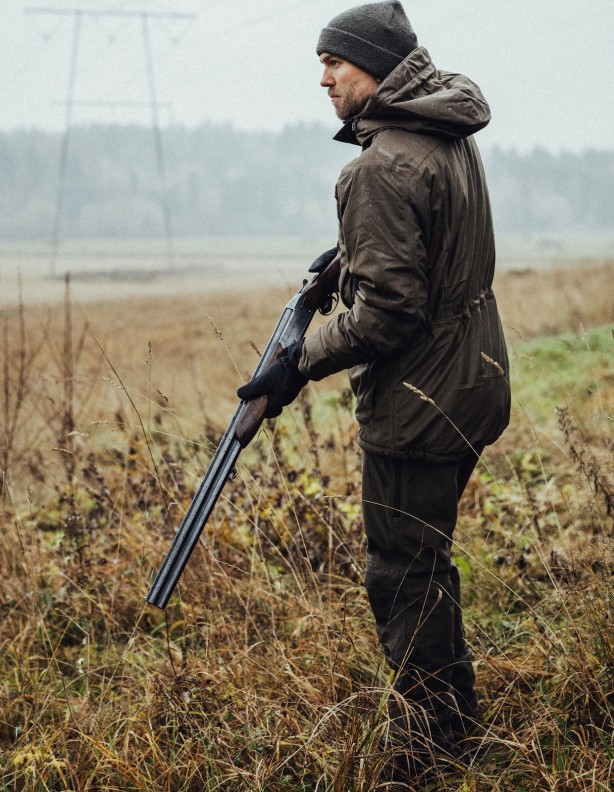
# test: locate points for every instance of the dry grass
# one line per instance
(535, 302)
(264, 672)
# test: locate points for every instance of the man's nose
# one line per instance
(327, 79)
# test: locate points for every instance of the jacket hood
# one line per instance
(419, 98)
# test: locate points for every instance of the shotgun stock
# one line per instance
(315, 295)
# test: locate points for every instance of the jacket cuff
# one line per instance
(315, 363)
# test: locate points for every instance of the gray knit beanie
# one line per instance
(376, 37)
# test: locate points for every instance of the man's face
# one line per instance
(348, 86)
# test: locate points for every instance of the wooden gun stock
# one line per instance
(255, 410)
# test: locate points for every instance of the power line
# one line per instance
(59, 203)
(78, 14)
(108, 12)
(157, 137)
(118, 103)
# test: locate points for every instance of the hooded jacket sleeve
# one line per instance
(383, 246)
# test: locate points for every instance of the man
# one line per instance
(422, 340)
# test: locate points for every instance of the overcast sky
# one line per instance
(545, 66)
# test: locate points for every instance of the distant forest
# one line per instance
(222, 181)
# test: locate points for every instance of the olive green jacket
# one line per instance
(417, 264)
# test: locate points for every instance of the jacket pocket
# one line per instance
(363, 381)
(348, 286)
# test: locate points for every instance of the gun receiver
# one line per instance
(314, 295)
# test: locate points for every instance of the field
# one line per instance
(264, 673)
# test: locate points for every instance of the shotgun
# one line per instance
(317, 294)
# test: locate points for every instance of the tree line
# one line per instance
(218, 180)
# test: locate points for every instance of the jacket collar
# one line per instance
(419, 98)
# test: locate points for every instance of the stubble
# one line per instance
(350, 103)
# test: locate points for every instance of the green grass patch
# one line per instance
(574, 370)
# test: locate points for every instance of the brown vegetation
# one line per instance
(536, 302)
(264, 672)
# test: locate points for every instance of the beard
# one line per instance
(350, 103)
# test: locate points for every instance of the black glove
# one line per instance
(281, 382)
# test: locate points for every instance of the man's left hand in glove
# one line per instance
(281, 382)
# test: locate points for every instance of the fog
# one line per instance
(545, 67)
(244, 167)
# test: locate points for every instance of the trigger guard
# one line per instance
(329, 306)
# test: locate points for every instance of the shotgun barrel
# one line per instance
(314, 295)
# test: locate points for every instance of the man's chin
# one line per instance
(346, 114)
